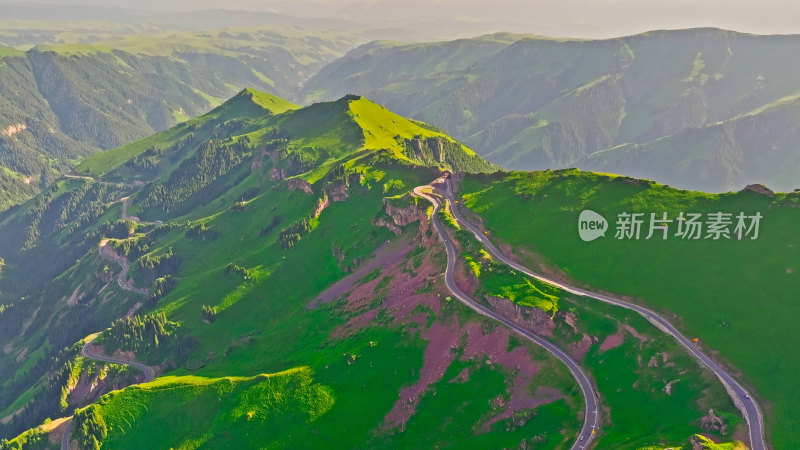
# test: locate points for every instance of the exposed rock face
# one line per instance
(322, 204)
(399, 216)
(437, 148)
(569, 317)
(338, 192)
(332, 193)
(696, 443)
(432, 146)
(297, 184)
(533, 319)
(13, 129)
(714, 423)
(276, 174)
(759, 189)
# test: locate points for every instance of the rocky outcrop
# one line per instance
(276, 174)
(298, 184)
(759, 189)
(533, 319)
(437, 148)
(322, 204)
(13, 129)
(397, 216)
(636, 181)
(713, 423)
(338, 192)
(424, 149)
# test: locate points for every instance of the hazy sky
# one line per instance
(576, 18)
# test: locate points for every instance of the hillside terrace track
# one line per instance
(741, 398)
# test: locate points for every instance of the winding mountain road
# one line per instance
(591, 419)
(741, 398)
(149, 375)
(122, 280)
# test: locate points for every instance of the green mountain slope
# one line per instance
(61, 103)
(533, 103)
(736, 296)
(241, 224)
(265, 238)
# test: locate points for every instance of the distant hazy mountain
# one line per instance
(701, 109)
(60, 103)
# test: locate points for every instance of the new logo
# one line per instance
(591, 225)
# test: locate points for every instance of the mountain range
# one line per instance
(61, 103)
(188, 262)
(186, 249)
(701, 109)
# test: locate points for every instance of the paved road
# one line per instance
(149, 375)
(122, 280)
(741, 398)
(591, 419)
(66, 435)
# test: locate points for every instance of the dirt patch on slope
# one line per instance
(410, 296)
(386, 256)
(612, 341)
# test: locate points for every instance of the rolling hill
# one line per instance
(702, 109)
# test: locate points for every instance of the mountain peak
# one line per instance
(271, 103)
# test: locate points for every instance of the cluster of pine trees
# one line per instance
(238, 270)
(88, 428)
(213, 160)
(290, 236)
(47, 402)
(159, 265)
(202, 232)
(132, 247)
(161, 286)
(209, 313)
(141, 335)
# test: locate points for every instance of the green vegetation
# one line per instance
(246, 412)
(708, 444)
(536, 213)
(65, 102)
(656, 393)
(34, 439)
(146, 336)
(306, 166)
(88, 428)
(697, 108)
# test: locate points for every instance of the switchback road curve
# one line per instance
(149, 375)
(741, 398)
(591, 419)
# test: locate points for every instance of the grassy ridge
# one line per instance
(735, 296)
(240, 411)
